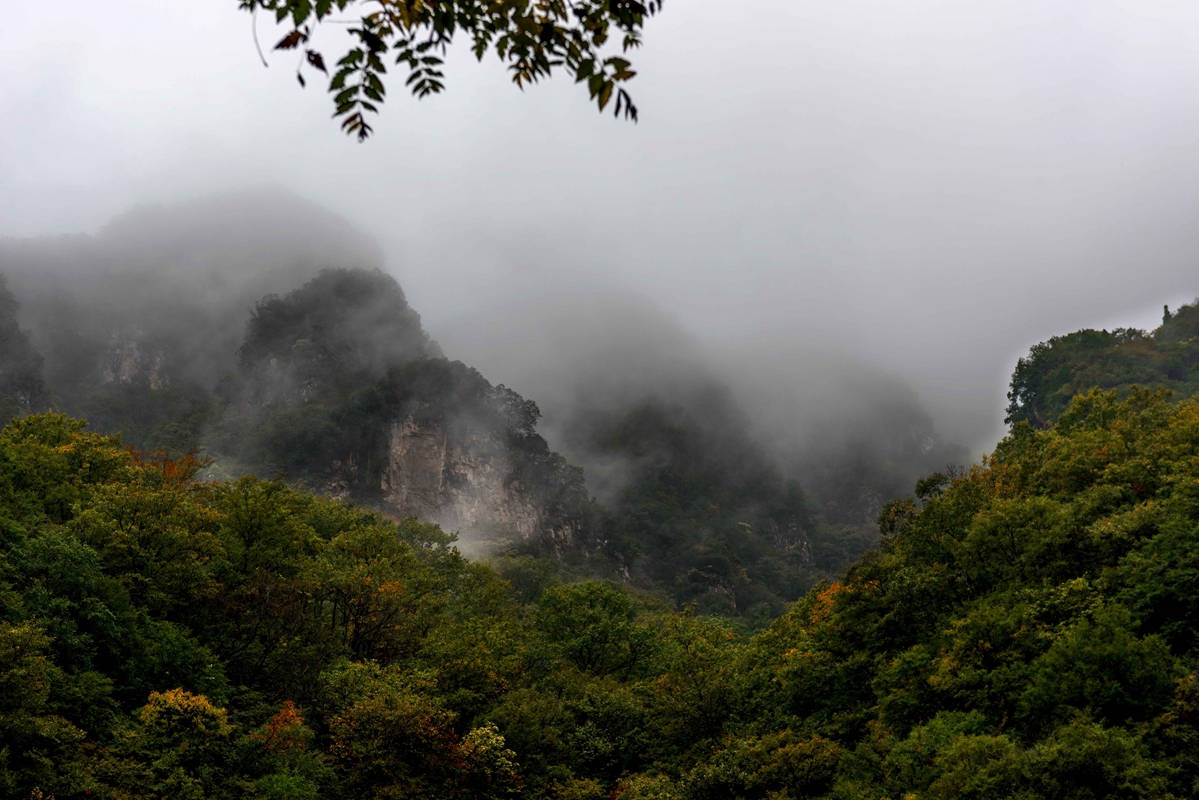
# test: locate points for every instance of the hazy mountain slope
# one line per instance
(703, 513)
(22, 387)
(259, 327)
(852, 433)
(159, 298)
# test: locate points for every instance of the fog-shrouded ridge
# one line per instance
(176, 296)
(184, 276)
(853, 434)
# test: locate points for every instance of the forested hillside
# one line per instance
(1055, 371)
(655, 462)
(1027, 630)
(698, 510)
(304, 354)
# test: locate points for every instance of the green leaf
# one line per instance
(300, 10)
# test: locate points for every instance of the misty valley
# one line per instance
(263, 536)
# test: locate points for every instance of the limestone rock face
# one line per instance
(464, 483)
(126, 360)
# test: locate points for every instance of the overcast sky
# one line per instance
(929, 186)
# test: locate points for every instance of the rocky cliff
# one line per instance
(467, 484)
(127, 360)
(340, 388)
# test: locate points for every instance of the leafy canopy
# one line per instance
(532, 38)
(1054, 372)
(1025, 632)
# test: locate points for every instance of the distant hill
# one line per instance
(185, 276)
(1054, 372)
(260, 330)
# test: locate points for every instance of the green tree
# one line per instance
(778, 765)
(178, 747)
(592, 625)
(38, 749)
(390, 741)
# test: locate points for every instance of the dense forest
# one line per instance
(1026, 629)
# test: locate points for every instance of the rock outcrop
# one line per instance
(465, 483)
(127, 359)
